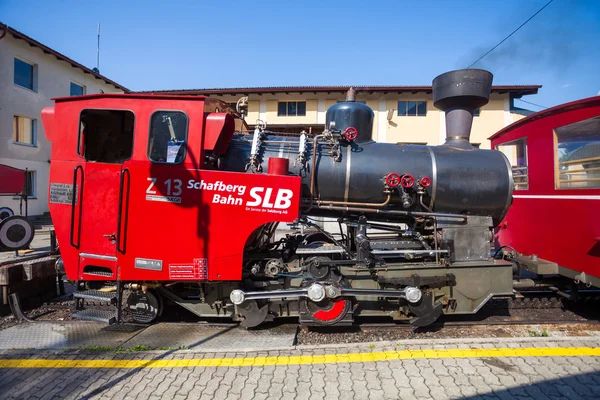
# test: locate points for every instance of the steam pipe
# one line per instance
(394, 212)
(312, 170)
(422, 204)
(349, 203)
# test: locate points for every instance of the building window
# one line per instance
(577, 155)
(412, 108)
(477, 112)
(24, 130)
(233, 106)
(516, 152)
(168, 135)
(106, 136)
(77, 89)
(30, 187)
(291, 109)
(25, 74)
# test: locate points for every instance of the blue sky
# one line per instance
(202, 44)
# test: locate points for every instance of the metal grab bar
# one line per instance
(73, 204)
(123, 233)
(590, 160)
(576, 171)
(579, 180)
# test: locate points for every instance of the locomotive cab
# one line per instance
(128, 174)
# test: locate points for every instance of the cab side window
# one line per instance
(168, 137)
(516, 152)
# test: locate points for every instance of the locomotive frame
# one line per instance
(154, 194)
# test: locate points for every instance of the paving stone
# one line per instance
(494, 377)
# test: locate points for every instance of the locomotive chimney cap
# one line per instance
(464, 88)
(459, 93)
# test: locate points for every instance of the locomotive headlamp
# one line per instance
(237, 297)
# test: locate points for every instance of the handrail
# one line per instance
(579, 180)
(123, 233)
(73, 203)
(580, 161)
(576, 171)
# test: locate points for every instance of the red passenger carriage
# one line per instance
(554, 220)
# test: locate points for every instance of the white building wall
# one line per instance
(53, 80)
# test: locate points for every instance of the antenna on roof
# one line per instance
(97, 69)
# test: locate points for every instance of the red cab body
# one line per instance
(133, 197)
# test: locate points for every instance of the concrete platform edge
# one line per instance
(356, 347)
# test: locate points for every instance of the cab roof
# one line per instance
(561, 108)
(132, 96)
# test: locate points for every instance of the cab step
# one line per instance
(96, 295)
(102, 304)
(91, 314)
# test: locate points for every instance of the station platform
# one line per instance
(540, 367)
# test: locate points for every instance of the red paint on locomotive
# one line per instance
(130, 217)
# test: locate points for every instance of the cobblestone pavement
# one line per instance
(506, 369)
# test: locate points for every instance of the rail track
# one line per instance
(532, 308)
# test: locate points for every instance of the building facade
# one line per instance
(402, 114)
(32, 74)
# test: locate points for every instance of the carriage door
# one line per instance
(105, 141)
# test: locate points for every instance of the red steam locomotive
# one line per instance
(154, 194)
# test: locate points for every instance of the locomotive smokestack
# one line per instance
(459, 93)
(351, 94)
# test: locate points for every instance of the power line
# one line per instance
(513, 32)
(533, 104)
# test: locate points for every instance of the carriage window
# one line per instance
(516, 152)
(168, 134)
(106, 136)
(577, 155)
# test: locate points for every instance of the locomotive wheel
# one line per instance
(5, 212)
(325, 312)
(16, 233)
(144, 307)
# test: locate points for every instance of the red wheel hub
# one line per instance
(350, 133)
(392, 179)
(407, 181)
(334, 312)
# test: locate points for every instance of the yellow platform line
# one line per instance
(299, 360)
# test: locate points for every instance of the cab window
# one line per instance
(577, 155)
(168, 136)
(516, 152)
(105, 136)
